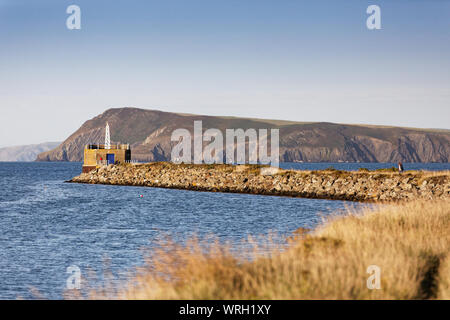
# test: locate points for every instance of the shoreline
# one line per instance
(359, 186)
(399, 249)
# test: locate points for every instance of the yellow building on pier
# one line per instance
(97, 155)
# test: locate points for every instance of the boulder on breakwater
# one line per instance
(255, 179)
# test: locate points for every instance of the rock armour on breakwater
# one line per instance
(325, 184)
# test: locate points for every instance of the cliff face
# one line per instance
(149, 132)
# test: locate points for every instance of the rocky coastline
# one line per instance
(363, 186)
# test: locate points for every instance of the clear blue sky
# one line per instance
(286, 59)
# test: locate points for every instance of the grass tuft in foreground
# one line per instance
(409, 242)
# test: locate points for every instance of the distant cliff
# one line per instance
(27, 152)
(149, 132)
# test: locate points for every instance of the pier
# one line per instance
(367, 186)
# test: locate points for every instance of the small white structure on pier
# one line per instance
(107, 138)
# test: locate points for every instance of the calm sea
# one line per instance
(48, 225)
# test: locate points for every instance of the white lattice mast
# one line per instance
(107, 137)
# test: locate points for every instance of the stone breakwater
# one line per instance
(325, 184)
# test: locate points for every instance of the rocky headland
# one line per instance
(26, 152)
(368, 186)
(149, 134)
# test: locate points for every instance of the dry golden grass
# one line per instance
(409, 242)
